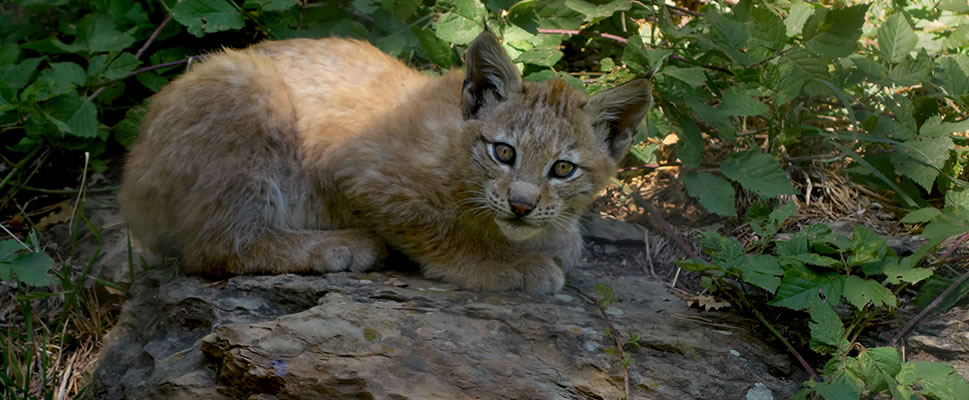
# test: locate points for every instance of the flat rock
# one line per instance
(390, 335)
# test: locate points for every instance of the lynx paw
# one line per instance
(349, 251)
(541, 275)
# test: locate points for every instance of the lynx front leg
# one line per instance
(291, 252)
(533, 272)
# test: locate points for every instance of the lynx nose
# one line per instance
(521, 208)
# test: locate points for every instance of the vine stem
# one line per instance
(16, 168)
(615, 336)
(760, 317)
(930, 307)
(138, 55)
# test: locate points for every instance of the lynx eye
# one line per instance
(562, 169)
(503, 152)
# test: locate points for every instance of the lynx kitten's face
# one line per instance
(539, 162)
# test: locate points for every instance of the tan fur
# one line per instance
(315, 155)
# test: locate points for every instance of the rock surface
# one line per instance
(391, 335)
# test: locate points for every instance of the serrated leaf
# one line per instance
(595, 12)
(912, 71)
(473, 10)
(814, 259)
(15, 77)
(879, 367)
(96, 33)
(545, 57)
(935, 379)
(126, 131)
(837, 391)
(437, 50)
(957, 6)
(152, 80)
(859, 292)
(207, 16)
(555, 14)
(922, 158)
(123, 65)
(798, 292)
(454, 28)
(934, 127)
(957, 199)
(30, 268)
(695, 77)
(767, 29)
(74, 115)
(866, 246)
(689, 148)
(837, 35)
(898, 272)
(714, 193)
(737, 103)
(800, 12)
(757, 172)
(634, 56)
(896, 39)
(827, 330)
(762, 271)
(921, 215)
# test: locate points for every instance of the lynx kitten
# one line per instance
(318, 155)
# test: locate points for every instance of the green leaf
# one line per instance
(594, 12)
(455, 28)
(837, 35)
(898, 272)
(800, 12)
(9, 52)
(545, 57)
(797, 292)
(859, 292)
(546, 74)
(866, 246)
(634, 56)
(934, 379)
(814, 259)
(837, 391)
(152, 80)
(96, 33)
(695, 77)
(77, 115)
(934, 127)
(60, 79)
(15, 77)
(762, 271)
(827, 331)
(555, 14)
(957, 6)
(29, 268)
(126, 131)
(437, 50)
(689, 148)
(922, 158)
(757, 172)
(121, 66)
(896, 38)
(921, 215)
(912, 71)
(207, 16)
(277, 5)
(473, 10)
(767, 29)
(714, 193)
(880, 365)
(737, 103)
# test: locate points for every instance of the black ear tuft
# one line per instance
(616, 115)
(490, 75)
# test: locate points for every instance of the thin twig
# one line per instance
(16, 238)
(935, 303)
(20, 164)
(958, 244)
(570, 32)
(615, 336)
(77, 202)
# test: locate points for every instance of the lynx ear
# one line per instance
(617, 113)
(491, 76)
